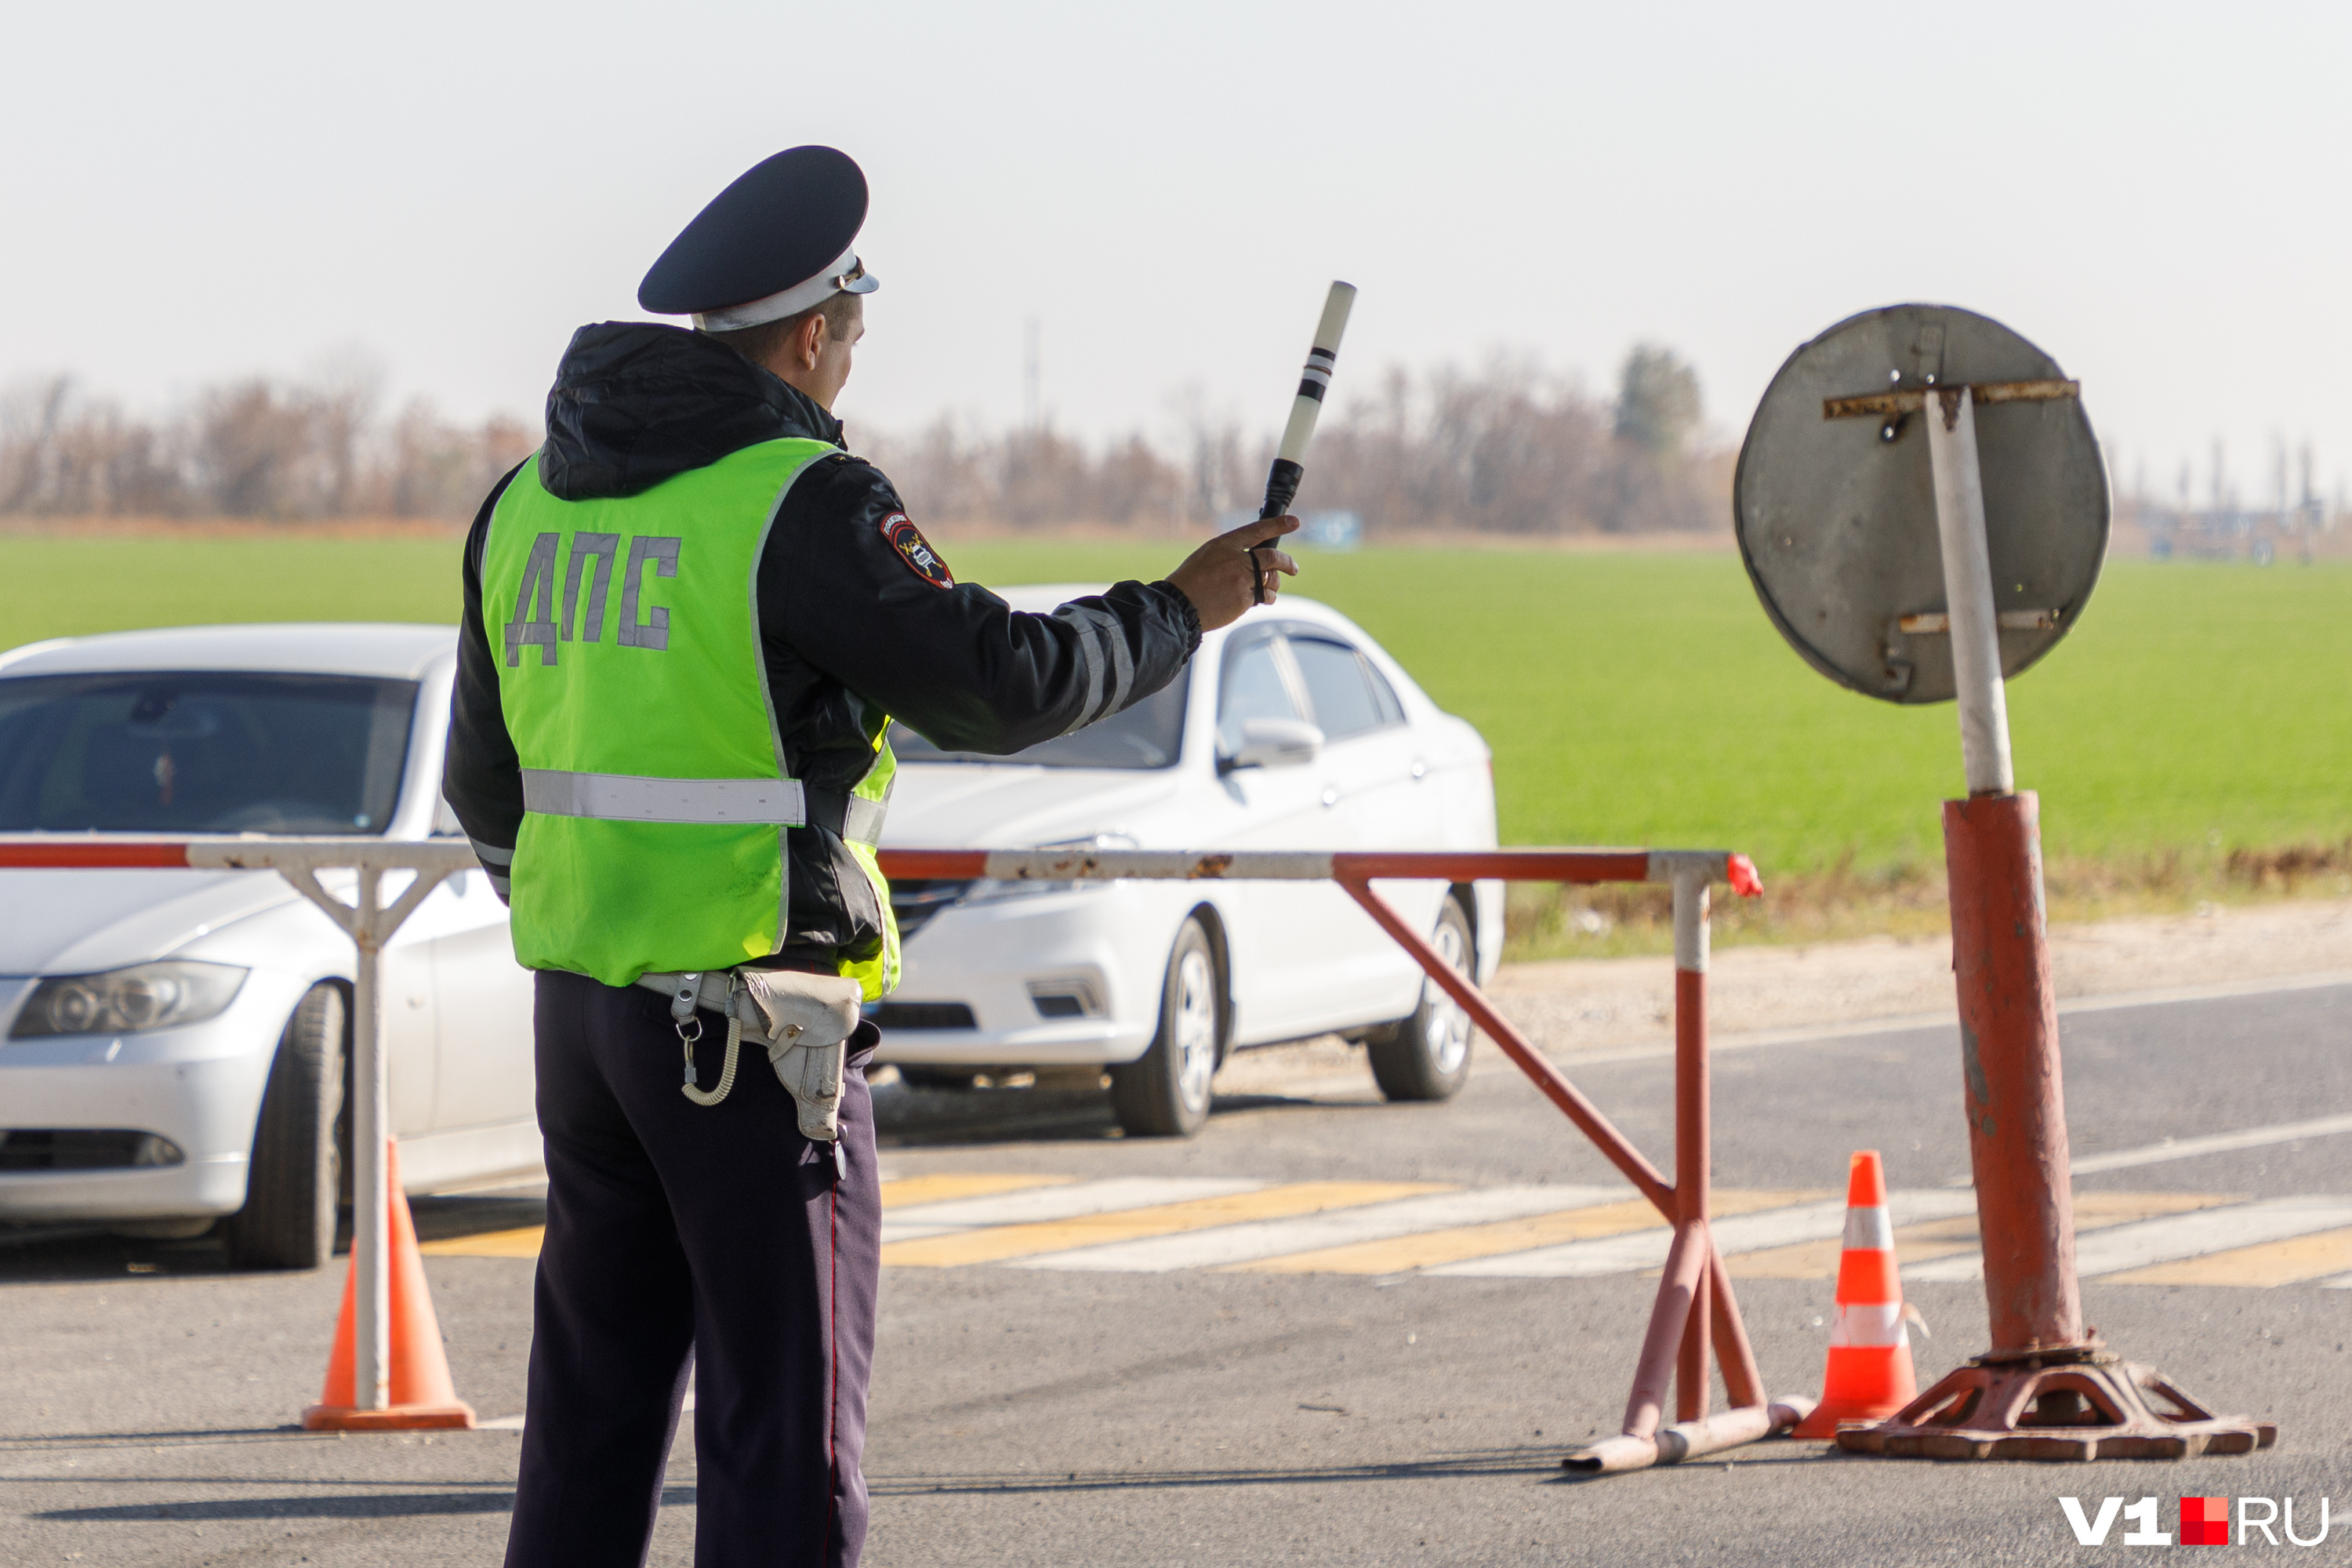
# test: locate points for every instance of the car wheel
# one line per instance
(289, 1218)
(1427, 1056)
(1164, 1093)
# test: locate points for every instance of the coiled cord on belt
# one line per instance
(734, 1044)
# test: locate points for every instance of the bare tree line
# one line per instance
(1507, 449)
(252, 448)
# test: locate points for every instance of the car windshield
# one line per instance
(1147, 735)
(188, 752)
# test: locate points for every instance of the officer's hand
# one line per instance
(1220, 576)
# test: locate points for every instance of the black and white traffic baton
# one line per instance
(1290, 461)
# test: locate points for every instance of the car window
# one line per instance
(1147, 735)
(1251, 687)
(1341, 685)
(1391, 711)
(190, 752)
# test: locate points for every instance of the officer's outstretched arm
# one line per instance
(850, 584)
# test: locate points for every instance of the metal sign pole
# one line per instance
(2001, 948)
(1849, 553)
(1967, 590)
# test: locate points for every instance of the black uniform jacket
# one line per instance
(855, 611)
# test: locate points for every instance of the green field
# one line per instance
(1629, 699)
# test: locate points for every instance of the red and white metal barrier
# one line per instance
(1693, 1324)
(370, 923)
(1696, 1320)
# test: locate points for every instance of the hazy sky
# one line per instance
(2152, 192)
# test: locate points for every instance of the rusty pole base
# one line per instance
(2080, 1403)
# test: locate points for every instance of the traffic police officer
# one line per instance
(689, 619)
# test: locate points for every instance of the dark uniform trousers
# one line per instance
(682, 1237)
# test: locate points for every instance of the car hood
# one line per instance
(79, 922)
(979, 806)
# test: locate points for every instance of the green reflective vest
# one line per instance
(626, 636)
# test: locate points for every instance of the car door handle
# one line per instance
(1330, 798)
(1420, 770)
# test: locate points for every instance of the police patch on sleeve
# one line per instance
(915, 550)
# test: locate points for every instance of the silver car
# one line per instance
(174, 1044)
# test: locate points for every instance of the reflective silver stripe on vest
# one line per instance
(622, 797)
(862, 824)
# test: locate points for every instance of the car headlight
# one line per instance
(124, 1001)
(989, 890)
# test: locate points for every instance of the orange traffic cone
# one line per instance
(1869, 1376)
(422, 1393)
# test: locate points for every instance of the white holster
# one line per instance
(804, 1020)
(808, 1021)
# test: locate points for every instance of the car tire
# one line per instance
(1165, 1092)
(1427, 1056)
(295, 1175)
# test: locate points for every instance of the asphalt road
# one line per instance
(1058, 1412)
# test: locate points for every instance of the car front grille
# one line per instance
(916, 900)
(892, 1015)
(84, 1148)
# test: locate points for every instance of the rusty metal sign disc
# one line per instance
(1836, 509)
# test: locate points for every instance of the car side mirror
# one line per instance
(1275, 743)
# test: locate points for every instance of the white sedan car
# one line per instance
(1291, 730)
(172, 1043)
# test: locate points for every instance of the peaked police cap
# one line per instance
(779, 240)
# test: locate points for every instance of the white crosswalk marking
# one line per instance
(1741, 1232)
(1040, 1204)
(1276, 1238)
(1160, 1225)
(2212, 1143)
(1026, 1219)
(2118, 1247)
